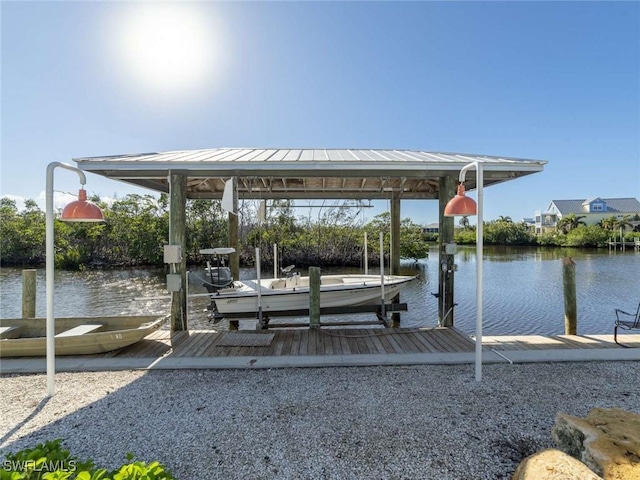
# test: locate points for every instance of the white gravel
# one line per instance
(425, 422)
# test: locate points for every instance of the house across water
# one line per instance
(592, 211)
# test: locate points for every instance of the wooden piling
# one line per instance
(28, 293)
(234, 258)
(314, 297)
(570, 304)
(447, 190)
(177, 236)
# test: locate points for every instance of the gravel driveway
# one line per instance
(424, 422)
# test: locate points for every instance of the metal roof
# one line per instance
(613, 205)
(305, 173)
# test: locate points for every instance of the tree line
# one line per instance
(570, 231)
(136, 228)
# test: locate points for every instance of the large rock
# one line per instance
(607, 441)
(553, 465)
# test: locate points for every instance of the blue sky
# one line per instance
(552, 81)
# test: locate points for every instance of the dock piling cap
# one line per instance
(218, 251)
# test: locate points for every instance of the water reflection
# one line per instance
(522, 291)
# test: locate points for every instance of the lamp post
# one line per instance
(462, 205)
(79, 210)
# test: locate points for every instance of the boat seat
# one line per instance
(11, 331)
(626, 321)
(81, 330)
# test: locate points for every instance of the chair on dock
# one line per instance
(627, 321)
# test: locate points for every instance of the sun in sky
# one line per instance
(165, 48)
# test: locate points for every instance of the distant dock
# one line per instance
(614, 245)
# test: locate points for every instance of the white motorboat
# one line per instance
(292, 293)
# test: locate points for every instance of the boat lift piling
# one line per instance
(314, 297)
(28, 293)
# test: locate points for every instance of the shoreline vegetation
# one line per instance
(137, 227)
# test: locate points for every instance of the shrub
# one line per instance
(507, 233)
(49, 461)
(465, 237)
(587, 236)
(554, 238)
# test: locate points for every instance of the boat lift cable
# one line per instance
(501, 355)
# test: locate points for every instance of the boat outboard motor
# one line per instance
(220, 275)
(289, 272)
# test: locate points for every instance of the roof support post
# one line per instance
(177, 236)
(447, 191)
(395, 249)
(234, 258)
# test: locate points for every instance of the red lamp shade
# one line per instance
(460, 205)
(82, 210)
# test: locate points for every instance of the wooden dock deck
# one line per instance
(325, 347)
(299, 342)
(350, 341)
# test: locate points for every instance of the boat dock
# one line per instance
(324, 347)
(615, 245)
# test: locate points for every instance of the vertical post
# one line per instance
(447, 190)
(259, 288)
(275, 260)
(49, 284)
(234, 258)
(28, 293)
(383, 310)
(570, 304)
(177, 236)
(366, 255)
(395, 236)
(479, 262)
(395, 251)
(314, 297)
(50, 272)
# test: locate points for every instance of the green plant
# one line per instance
(587, 236)
(38, 462)
(49, 461)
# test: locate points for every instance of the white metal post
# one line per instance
(275, 260)
(50, 270)
(382, 272)
(258, 287)
(366, 255)
(479, 259)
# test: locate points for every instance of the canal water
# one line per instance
(522, 291)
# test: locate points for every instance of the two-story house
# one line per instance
(592, 209)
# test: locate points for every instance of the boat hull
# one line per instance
(115, 333)
(335, 291)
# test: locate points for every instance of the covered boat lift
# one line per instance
(308, 174)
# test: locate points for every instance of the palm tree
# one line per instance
(624, 222)
(609, 223)
(506, 219)
(569, 222)
(464, 222)
(622, 225)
